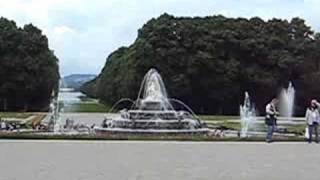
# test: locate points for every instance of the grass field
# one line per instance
(217, 117)
(21, 115)
(86, 107)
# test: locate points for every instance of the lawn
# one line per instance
(19, 115)
(224, 124)
(86, 107)
(217, 117)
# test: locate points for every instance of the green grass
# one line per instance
(291, 128)
(297, 128)
(87, 99)
(21, 115)
(86, 107)
(217, 117)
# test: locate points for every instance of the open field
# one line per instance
(88, 107)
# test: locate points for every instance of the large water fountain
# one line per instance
(247, 115)
(153, 112)
(287, 97)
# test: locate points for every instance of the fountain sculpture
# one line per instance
(153, 112)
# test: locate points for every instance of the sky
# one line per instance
(82, 33)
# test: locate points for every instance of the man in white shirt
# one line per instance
(271, 118)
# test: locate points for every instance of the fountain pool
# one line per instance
(153, 112)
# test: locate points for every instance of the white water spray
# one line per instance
(287, 97)
(247, 115)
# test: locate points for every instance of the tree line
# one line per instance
(209, 62)
(29, 70)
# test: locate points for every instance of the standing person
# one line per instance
(271, 118)
(313, 120)
(3, 125)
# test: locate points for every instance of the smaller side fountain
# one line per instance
(287, 97)
(55, 117)
(247, 115)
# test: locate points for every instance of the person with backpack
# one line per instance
(271, 118)
(313, 120)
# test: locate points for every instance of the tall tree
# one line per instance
(28, 68)
(209, 62)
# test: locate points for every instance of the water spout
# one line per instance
(247, 115)
(153, 90)
(287, 97)
(187, 107)
(120, 101)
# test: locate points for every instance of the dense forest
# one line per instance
(28, 68)
(210, 62)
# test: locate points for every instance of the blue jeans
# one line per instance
(270, 132)
(314, 127)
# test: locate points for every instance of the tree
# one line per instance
(209, 62)
(28, 68)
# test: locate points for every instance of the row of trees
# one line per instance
(28, 68)
(210, 62)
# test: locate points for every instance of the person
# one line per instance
(3, 125)
(313, 120)
(271, 118)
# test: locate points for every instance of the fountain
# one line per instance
(55, 123)
(55, 116)
(152, 112)
(287, 101)
(247, 115)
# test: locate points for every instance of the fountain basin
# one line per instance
(127, 131)
(153, 113)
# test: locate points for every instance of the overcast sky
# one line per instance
(82, 33)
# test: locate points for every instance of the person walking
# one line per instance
(313, 120)
(271, 118)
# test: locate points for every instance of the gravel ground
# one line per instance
(95, 160)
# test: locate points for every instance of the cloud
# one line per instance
(61, 30)
(82, 33)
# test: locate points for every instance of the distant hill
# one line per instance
(75, 81)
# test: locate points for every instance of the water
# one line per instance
(65, 97)
(247, 115)
(121, 101)
(287, 97)
(152, 89)
(54, 124)
(70, 96)
(153, 106)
